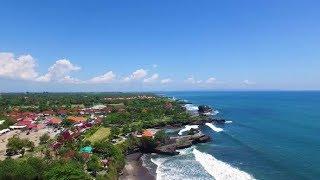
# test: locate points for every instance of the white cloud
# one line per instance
(155, 65)
(191, 80)
(136, 75)
(166, 81)
(105, 78)
(126, 79)
(70, 80)
(151, 79)
(22, 67)
(211, 80)
(247, 82)
(59, 70)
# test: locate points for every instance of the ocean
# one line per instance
(269, 135)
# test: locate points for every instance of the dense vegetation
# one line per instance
(128, 115)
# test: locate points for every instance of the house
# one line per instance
(105, 162)
(17, 127)
(56, 145)
(147, 133)
(99, 106)
(30, 115)
(3, 131)
(87, 149)
(62, 112)
(86, 156)
(48, 113)
(55, 121)
(76, 119)
(27, 122)
(66, 136)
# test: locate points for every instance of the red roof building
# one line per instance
(147, 133)
(76, 119)
(54, 121)
(48, 113)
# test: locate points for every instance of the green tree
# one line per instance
(44, 138)
(17, 145)
(94, 164)
(30, 168)
(65, 171)
(126, 129)
(115, 131)
(160, 136)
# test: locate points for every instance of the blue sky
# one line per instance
(146, 45)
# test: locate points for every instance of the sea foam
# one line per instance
(187, 128)
(213, 127)
(159, 161)
(191, 107)
(218, 169)
(213, 113)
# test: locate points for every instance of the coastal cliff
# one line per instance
(181, 142)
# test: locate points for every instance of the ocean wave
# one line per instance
(219, 169)
(159, 162)
(185, 151)
(213, 113)
(191, 107)
(213, 127)
(228, 122)
(182, 166)
(187, 128)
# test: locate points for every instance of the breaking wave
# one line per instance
(187, 128)
(213, 113)
(191, 107)
(213, 127)
(219, 169)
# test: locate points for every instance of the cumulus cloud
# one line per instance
(22, 67)
(211, 80)
(59, 70)
(166, 81)
(70, 80)
(151, 79)
(191, 80)
(247, 82)
(105, 78)
(136, 75)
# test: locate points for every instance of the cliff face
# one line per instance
(181, 142)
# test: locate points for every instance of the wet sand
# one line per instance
(134, 170)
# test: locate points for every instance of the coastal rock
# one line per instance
(185, 144)
(169, 149)
(203, 139)
(219, 121)
(204, 109)
(201, 121)
(181, 142)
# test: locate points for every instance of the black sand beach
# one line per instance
(134, 170)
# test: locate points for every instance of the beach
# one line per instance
(134, 170)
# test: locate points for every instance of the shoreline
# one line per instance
(134, 169)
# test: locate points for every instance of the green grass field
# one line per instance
(101, 134)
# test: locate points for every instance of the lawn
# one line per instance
(101, 134)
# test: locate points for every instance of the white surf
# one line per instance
(213, 127)
(219, 169)
(187, 128)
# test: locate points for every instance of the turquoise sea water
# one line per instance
(273, 135)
